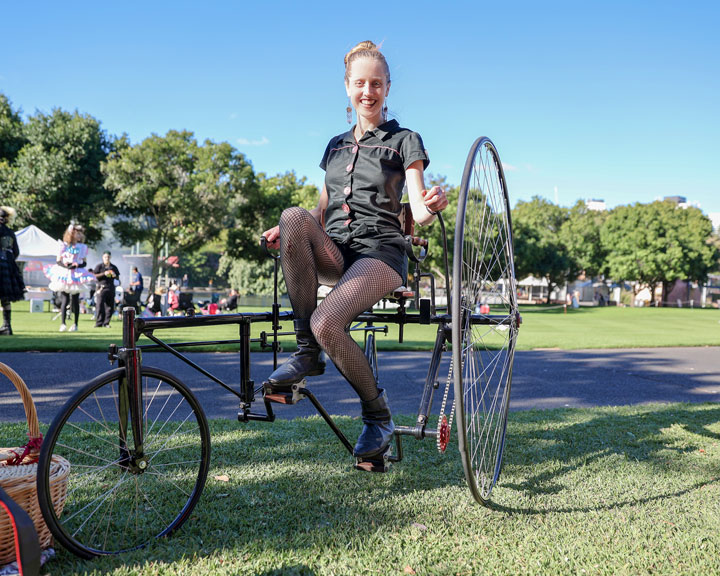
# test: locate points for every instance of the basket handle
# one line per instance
(28, 404)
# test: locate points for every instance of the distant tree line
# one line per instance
(205, 203)
(653, 244)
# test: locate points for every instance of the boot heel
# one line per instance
(379, 463)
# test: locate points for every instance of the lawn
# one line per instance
(541, 328)
(609, 491)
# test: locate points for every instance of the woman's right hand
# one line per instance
(273, 237)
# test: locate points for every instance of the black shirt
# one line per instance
(365, 180)
(103, 280)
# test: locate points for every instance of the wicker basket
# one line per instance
(19, 481)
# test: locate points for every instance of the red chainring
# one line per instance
(444, 433)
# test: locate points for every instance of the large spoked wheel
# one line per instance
(484, 317)
(116, 502)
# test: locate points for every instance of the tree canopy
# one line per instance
(171, 191)
(50, 171)
(539, 248)
(658, 243)
(248, 268)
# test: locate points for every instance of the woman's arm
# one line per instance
(423, 203)
(319, 211)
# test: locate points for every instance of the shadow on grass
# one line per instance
(662, 438)
(278, 489)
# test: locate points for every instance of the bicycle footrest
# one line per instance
(379, 463)
(283, 394)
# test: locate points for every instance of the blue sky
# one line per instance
(611, 100)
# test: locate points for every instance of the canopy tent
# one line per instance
(35, 244)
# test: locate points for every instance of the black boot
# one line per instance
(378, 430)
(309, 359)
(6, 329)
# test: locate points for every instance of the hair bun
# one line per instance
(366, 46)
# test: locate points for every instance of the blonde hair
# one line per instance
(366, 49)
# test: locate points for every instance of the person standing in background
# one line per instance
(69, 276)
(107, 276)
(12, 287)
(136, 282)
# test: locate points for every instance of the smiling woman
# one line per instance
(353, 240)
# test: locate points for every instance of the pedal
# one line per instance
(283, 395)
(379, 463)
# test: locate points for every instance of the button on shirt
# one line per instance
(364, 180)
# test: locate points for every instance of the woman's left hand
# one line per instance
(435, 199)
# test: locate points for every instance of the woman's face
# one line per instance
(367, 88)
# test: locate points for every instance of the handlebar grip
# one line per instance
(417, 241)
(264, 246)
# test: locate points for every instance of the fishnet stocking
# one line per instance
(309, 256)
(362, 285)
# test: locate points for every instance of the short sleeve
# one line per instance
(326, 156)
(412, 150)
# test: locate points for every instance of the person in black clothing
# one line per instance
(107, 276)
(353, 240)
(231, 302)
(12, 287)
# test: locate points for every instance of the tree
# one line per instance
(658, 243)
(435, 261)
(12, 138)
(539, 249)
(55, 176)
(580, 234)
(172, 192)
(248, 268)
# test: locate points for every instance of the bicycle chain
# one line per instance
(438, 441)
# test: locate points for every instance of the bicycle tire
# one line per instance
(112, 506)
(485, 317)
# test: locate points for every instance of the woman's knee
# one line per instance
(294, 216)
(325, 330)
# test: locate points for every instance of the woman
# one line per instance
(12, 287)
(68, 277)
(361, 248)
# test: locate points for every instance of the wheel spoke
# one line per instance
(118, 499)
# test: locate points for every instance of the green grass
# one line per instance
(541, 328)
(610, 491)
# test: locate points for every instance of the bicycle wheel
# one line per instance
(485, 318)
(115, 503)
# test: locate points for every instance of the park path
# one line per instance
(541, 379)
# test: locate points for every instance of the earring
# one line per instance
(348, 112)
(384, 112)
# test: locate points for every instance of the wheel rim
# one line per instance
(115, 503)
(484, 316)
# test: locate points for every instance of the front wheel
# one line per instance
(117, 500)
(485, 317)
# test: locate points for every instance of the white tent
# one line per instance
(35, 244)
